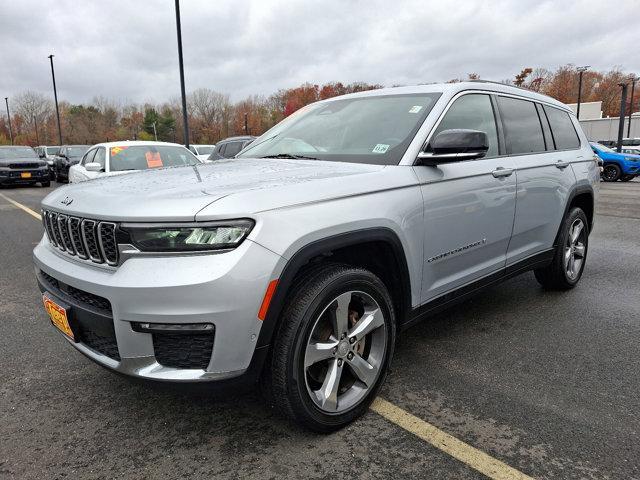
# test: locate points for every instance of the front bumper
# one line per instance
(14, 176)
(224, 289)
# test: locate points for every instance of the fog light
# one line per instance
(191, 328)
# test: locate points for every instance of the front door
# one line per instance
(469, 206)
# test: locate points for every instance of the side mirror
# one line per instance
(454, 146)
(93, 167)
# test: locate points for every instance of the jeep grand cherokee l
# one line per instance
(297, 262)
(20, 165)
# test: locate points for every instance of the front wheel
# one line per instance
(333, 347)
(570, 256)
(611, 172)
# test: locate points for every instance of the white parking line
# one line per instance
(471, 456)
(22, 207)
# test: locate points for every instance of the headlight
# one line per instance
(189, 237)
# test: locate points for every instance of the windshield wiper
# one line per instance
(289, 155)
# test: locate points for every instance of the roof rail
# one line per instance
(479, 80)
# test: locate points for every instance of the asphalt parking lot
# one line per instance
(547, 383)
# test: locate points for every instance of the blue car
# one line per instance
(617, 166)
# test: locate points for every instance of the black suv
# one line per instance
(68, 155)
(230, 147)
(21, 165)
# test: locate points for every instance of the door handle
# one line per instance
(502, 172)
(561, 164)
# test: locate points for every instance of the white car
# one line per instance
(202, 151)
(116, 158)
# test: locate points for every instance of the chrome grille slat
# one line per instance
(84, 238)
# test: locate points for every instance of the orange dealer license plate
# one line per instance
(58, 316)
(25, 174)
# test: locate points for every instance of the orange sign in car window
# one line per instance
(153, 159)
(117, 150)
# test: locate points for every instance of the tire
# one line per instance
(611, 172)
(627, 178)
(570, 256)
(295, 381)
(45, 184)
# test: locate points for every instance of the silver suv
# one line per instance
(297, 263)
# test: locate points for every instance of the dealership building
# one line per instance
(598, 128)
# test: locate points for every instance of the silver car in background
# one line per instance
(297, 263)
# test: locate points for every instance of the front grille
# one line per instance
(24, 166)
(103, 343)
(183, 350)
(84, 299)
(82, 237)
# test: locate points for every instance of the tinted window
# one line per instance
(232, 149)
(100, 157)
(548, 139)
(472, 112)
(522, 129)
(564, 134)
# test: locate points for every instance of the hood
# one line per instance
(179, 193)
(5, 162)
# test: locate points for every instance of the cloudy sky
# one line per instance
(126, 50)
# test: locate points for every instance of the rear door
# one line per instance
(468, 206)
(544, 175)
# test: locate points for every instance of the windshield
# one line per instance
(142, 157)
(77, 151)
(205, 150)
(599, 146)
(53, 150)
(375, 130)
(17, 152)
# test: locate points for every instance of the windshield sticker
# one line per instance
(415, 109)
(153, 159)
(117, 150)
(380, 148)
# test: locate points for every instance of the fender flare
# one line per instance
(318, 247)
(575, 191)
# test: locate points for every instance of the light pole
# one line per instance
(623, 103)
(633, 79)
(185, 119)
(246, 124)
(35, 123)
(155, 133)
(6, 100)
(580, 70)
(55, 96)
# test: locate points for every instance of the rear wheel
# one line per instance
(570, 256)
(332, 348)
(611, 172)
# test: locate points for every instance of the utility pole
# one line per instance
(634, 79)
(35, 123)
(55, 96)
(6, 100)
(623, 103)
(185, 119)
(580, 70)
(155, 133)
(246, 124)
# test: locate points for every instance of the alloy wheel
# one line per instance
(345, 352)
(575, 249)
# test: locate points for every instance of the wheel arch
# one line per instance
(335, 248)
(580, 196)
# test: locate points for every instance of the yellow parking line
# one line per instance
(22, 207)
(459, 450)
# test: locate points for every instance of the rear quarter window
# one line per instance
(564, 133)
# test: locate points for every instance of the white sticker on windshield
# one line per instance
(380, 148)
(415, 109)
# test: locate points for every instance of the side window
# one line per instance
(222, 149)
(562, 128)
(546, 129)
(100, 157)
(522, 128)
(233, 148)
(88, 157)
(475, 112)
